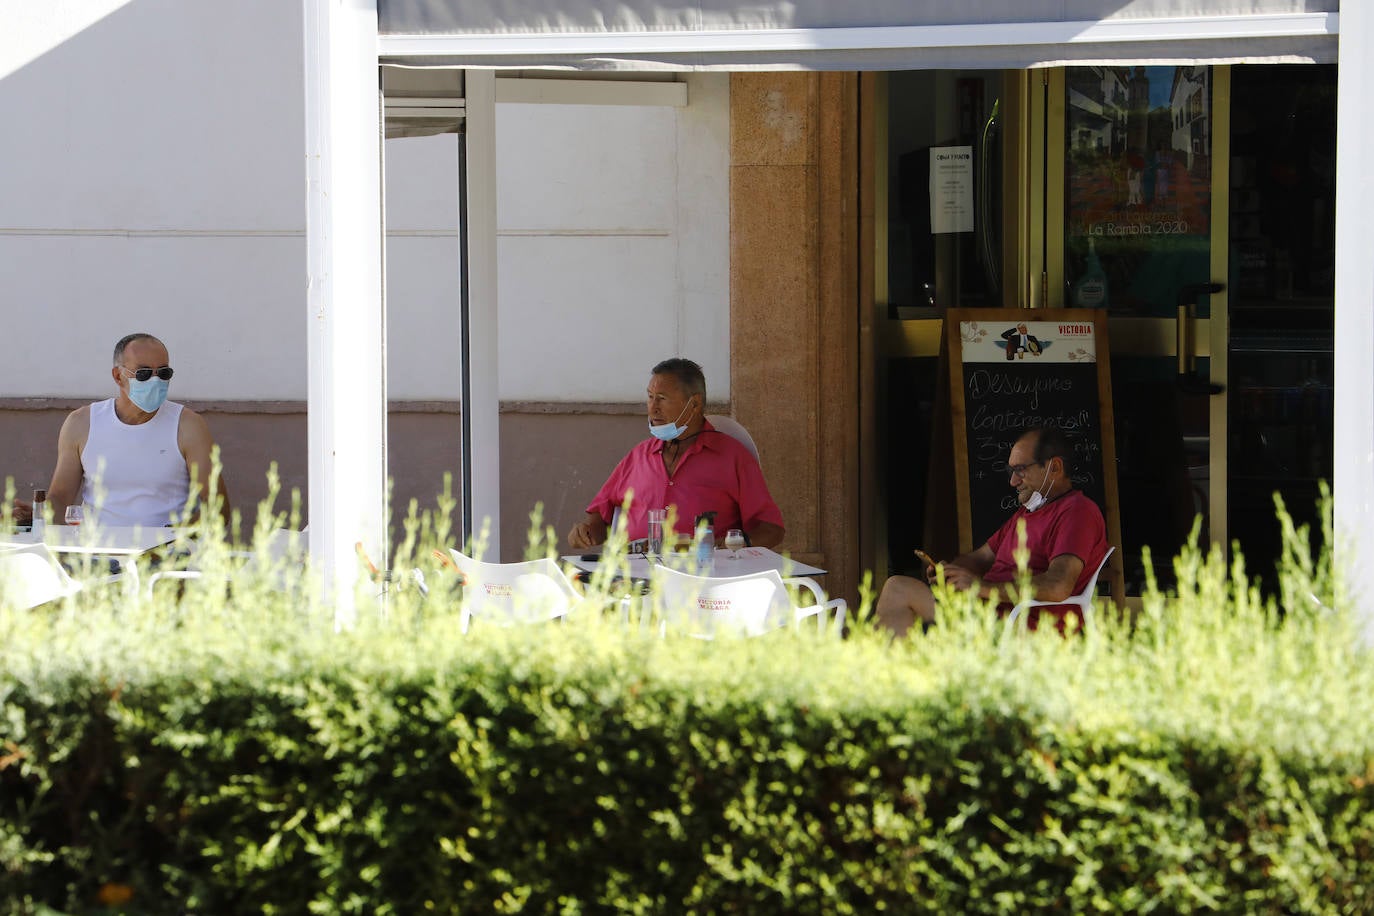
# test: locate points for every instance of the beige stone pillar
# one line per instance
(794, 314)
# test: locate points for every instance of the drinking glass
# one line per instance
(734, 542)
(656, 519)
(74, 515)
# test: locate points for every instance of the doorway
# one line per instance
(940, 228)
(1195, 205)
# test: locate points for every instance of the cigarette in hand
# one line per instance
(925, 558)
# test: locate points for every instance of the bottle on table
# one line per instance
(706, 542)
(40, 512)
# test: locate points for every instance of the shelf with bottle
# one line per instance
(1090, 289)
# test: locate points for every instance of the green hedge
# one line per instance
(205, 756)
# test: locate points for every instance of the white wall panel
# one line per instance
(614, 240)
(422, 184)
(573, 333)
(703, 202)
(586, 167)
(165, 114)
(152, 179)
(230, 311)
(422, 318)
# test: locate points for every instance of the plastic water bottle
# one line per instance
(706, 550)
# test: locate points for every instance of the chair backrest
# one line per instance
(528, 592)
(1084, 599)
(29, 576)
(705, 606)
(732, 428)
(1086, 596)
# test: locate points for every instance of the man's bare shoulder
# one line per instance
(77, 426)
(190, 416)
(193, 428)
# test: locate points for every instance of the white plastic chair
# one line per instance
(1083, 600)
(285, 548)
(744, 605)
(29, 576)
(509, 593)
(735, 430)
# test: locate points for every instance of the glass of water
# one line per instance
(656, 519)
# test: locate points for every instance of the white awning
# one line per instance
(851, 34)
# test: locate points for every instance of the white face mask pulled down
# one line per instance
(1038, 497)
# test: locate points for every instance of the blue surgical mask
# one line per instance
(670, 431)
(148, 396)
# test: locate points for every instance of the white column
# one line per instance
(484, 401)
(346, 314)
(1354, 439)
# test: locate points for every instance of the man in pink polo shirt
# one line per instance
(1065, 533)
(686, 465)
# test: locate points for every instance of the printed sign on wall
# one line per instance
(951, 189)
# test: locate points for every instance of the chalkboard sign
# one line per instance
(1015, 368)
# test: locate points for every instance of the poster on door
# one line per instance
(1137, 184)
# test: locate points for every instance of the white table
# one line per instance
(112, 541)
(751, 560)
(109, 541)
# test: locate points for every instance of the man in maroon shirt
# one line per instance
(1065, 534)
(687, 465)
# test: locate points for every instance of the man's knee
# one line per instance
(902, 601)
(903, 588)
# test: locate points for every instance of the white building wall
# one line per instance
(152, 178)
(613, 245)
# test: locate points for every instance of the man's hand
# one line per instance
(960, 577)
(587, 533)
(964, 571)
(23, 512)
(580, 537)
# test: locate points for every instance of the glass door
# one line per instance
(1144, 178)
(1282, 278)
(1195, 205)
(944, 139)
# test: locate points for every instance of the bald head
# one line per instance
(129, 339)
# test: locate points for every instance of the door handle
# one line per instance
(987, 241)
(1188, 380)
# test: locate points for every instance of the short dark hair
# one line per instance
(688, 375)
(125, 341)
(1050, 442)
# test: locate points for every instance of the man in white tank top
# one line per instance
(130, 460)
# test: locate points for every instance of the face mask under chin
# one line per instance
(667, 432)
(1038, 498)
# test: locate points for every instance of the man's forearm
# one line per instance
(1043, 587)
(973, 562)
(764, 534)
(59, 498)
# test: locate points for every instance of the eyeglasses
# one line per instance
(143, 374)
(1019, 470)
